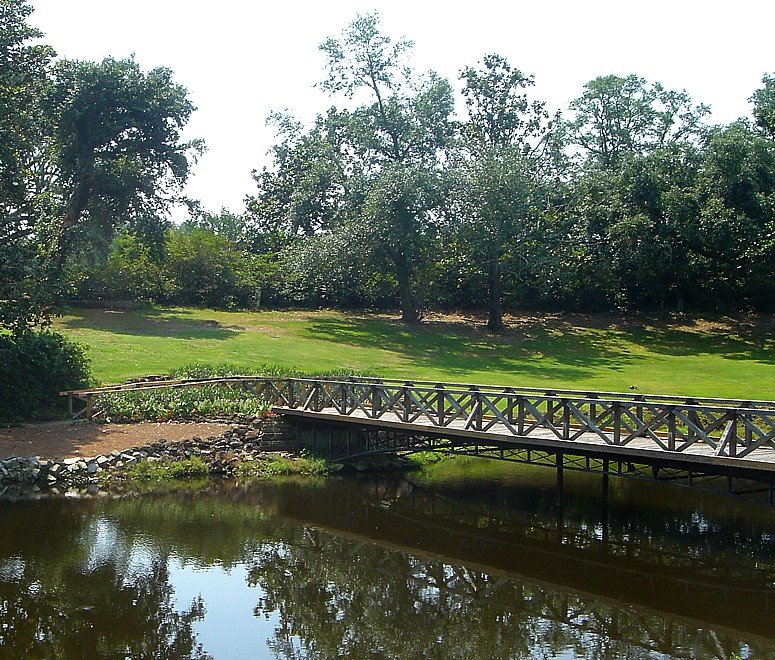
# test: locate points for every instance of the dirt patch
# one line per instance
(83, 439)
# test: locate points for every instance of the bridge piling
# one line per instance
(559, 462)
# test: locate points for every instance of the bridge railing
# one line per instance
(729, 427)
(732, 428)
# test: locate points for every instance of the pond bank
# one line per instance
(246, 440)
(250, 446)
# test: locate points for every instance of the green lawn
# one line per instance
(676, 356)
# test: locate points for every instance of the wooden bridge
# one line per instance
(729, 437)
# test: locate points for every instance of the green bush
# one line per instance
(34, 368)
(204, 371)
(164, 470)
(202, 401)
(180, 403)
(279, 466)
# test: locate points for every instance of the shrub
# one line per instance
(280, 466)
(180, 403)
(164, 470)
(191, 402)
(34, 368)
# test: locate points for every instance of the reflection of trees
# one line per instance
(57, 601)
(336, 597)
(390, 578)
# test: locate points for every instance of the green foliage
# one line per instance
(764, 105)
(372, 171)
(303, 194)
(34, 368)
(617, 117)
(279, 466)
(204, 371)
(86, 149)
(193, 266)
(338, 269)
(188, 468)
(130, 273)
(201, 401)
(206, 269)
(181, 403)
(422, 459)
(117, 140)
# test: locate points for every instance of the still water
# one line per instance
(447, 565)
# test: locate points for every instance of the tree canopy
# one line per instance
(86, 149)
(405, 192)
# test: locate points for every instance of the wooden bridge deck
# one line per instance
(642, 450)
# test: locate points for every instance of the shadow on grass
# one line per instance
(561, 348)
(150, 323)
(746, 338)
(561, 353)
(683, 342)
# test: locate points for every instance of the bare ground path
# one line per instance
(58, 440)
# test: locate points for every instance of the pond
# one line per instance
(451, 563)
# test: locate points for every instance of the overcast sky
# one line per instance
(241, 59)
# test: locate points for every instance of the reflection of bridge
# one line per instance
(627, 586)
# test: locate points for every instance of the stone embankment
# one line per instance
(249, 439)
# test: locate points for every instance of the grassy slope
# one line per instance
(725, 359)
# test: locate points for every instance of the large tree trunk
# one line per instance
(406, 295)
(494, 306)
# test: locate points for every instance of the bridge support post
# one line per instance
(604, 512)
(560, 478)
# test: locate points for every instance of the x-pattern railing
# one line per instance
(730, 427)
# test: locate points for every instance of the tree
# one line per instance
(393, 143)
(23, 79)
(87, 147)
(24, 68)
(732, 231)
(208, 270)
(302, 194)
(501, 183)
(620, 116)
(764, 105)
(118, 151)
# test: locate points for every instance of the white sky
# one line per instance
(241, 59)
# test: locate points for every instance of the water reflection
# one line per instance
(388, 569)
(63, 596)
